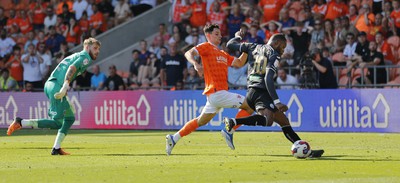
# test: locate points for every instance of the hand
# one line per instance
(240, 34)
(199, 69)
(62, 92)
(281, 107)
(362, 64)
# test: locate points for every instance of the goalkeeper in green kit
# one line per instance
(60, 111)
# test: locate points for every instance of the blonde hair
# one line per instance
(91, 41)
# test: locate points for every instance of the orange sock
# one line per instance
(188, 128)
(242, 113)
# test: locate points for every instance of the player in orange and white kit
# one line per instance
(214, 67)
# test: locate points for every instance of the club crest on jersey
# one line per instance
(222, 59)
(85, 62)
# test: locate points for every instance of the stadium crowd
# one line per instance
(331, 43)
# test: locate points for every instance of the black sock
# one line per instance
(254, 120)
(290, 134)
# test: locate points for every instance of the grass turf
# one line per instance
(139, 156)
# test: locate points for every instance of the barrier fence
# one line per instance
(363, 110)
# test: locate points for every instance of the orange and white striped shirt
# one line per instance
(215, 63)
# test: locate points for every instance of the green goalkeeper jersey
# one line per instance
(80, 60)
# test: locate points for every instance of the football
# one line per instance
(301, 149)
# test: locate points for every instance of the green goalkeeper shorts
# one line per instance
(58, 108)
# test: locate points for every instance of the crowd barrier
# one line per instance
(364, 110)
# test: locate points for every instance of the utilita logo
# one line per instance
(8, 111)
(116, 112)
(349, 113)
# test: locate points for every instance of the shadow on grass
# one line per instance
(101, 133)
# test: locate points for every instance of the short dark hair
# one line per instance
(135, 51)
(209, 28)
(277, 38)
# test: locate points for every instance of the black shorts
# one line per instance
(260, 99)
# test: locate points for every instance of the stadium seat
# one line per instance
(343, 82)
(338, 57)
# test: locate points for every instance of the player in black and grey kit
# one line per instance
(261, 95)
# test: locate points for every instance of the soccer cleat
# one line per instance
(228, 138)
(170, 144)
(229, 124)
(316, 153)
(15, 125)
(60, 151)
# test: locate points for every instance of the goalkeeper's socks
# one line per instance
(29, 123)
(59, 139)
(255, 120)
(290, 134)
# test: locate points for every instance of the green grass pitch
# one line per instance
(139, 156)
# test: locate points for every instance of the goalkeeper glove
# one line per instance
(62, 92)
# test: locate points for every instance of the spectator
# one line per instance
(273, 28)
(142, 7)
(271, 9)
(177, 40)
(31, 40)
(54, 40)
(362, 48)
(96, 20)
(350, 50)
(30, 62)
(79, 7)
(317, 35)
(301, 41)
(253, 37)
(336, 8)
(14, 65)
(60, 26)
(50, 19)
(151, 72)
(89, 9)
(193, 33)
(384, 48)
(324, 70)
(66, 14)
(377, 26)
(122, 12)
(163, 35)
(28, 87)
(38, 10)
(98, 79)
(329, 35)
(198, 13)
(69, 4)
(193, 80)
(84, 25)
(25, 22)
(134, 67)
(346, 27)
(395, 16)
(286, 81)
(7, 83)
(3, 19)
(6, 44)
(285, 19)
(235, 20)
(319, 9)
(83, 81)
(353, 14)
(217, 16)
(238, 76)
(64, 52)
(114, 82)
(46, 64)
(364, 19)
(71, 33)
(11, 21)
(374, 58)
(105, 7)
(179, 11)
(173, 67)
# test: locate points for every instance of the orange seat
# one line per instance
(338, 57)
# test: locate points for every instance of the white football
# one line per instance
(301, 149)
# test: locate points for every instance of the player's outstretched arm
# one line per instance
(68, 78)
(241, 61)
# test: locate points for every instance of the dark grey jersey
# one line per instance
(263, 62)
